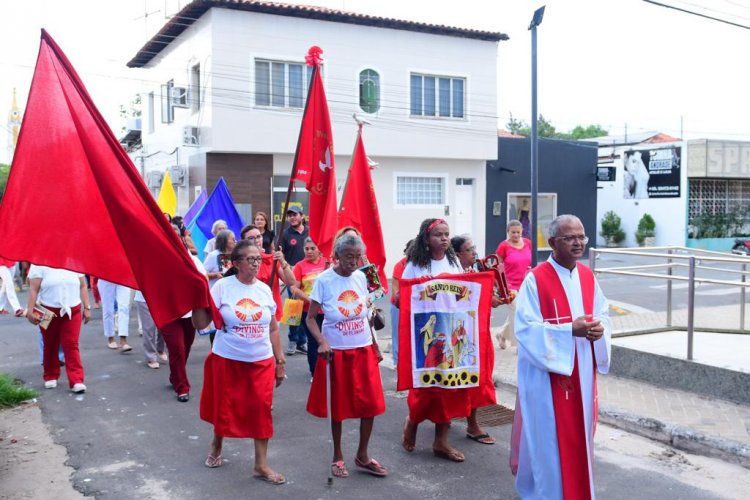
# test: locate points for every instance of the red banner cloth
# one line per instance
(75, 201)
(359, 209)
(405, 357)
(315, 165)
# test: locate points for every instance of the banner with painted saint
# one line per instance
(444, 337)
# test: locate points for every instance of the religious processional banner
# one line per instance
(444, 331)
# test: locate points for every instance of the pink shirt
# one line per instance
(516, 261)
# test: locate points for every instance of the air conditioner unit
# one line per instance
(178, 175)
(153, 179)
(179, 97)
(191, 136)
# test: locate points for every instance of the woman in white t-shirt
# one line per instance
(245, 362)
(219, 261)
(349, 343)
(62, 292)
(431, 254)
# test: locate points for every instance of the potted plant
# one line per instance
(645, 235)
(612, 229)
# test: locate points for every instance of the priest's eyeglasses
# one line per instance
(573, 237)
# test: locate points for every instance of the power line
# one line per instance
(694, 13)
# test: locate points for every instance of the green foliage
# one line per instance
(646, 229)
(547, 130)
(612, 228)
(4, 171)
(718, 225)
(12, 393)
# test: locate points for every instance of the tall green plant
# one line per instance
(612, 228)
(646, 229)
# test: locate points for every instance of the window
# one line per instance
(167, 111)
(151, 112)
(440, 96)
(369, 91)
(195, 88)
(519, 208)
(420, 190)
(281, 84)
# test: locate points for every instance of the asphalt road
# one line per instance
(128, 437)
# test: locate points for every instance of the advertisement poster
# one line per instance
(651, 173)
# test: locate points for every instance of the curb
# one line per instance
(681, 438)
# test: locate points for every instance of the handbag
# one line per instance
(292, 314)
(377, 320)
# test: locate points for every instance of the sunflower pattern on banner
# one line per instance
(444, 331)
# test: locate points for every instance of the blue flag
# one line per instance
(199, 239)
(219, 205)
(195, 208)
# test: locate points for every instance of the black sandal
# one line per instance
(183, 398)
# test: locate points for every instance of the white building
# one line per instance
(643, 173)
(228, 94)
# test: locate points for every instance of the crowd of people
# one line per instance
(558, 319)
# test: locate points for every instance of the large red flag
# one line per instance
(359, 208)
(314, 165)
(75, 201)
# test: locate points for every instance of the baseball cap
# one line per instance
(295, 209)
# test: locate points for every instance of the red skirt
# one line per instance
(356, 388)
(237, 397)
(439, 405)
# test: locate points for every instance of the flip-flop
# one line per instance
(408, 446)
(338, 469)
(453, 455)
(481, 438)
(213, 462)
(273, 478)
(373, 467)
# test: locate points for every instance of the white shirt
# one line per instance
(344, 304)
(60, 288)
(247, 311)
(210, 246)
(442, 266)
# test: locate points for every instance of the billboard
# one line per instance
(651, 173)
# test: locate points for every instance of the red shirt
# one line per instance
(516, 261)
(398, 270)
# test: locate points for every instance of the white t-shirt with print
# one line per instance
(436, 267)
(60, 288)
(247, 311)
(344, 304)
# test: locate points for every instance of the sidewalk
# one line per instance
(686, 421)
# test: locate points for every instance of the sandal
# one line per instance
(274, 478)
(338, 469)
(481, 438)
(372, 467)
(213, 462)
(452, 455)
(407, 445)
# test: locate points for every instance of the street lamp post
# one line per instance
(535, 21)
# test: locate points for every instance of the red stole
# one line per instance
(566, 391)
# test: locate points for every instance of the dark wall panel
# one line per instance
(248, 177)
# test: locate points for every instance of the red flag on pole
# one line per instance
(314, 165)
(75, 201)
(359, 208)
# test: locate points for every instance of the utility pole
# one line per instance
(535, 21)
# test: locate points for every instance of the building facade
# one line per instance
(230, 84)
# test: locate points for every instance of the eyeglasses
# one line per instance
(252, 260)
(571, 238)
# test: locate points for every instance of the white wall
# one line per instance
(670, 214)
(402, 224)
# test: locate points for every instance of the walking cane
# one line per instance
(330, 416)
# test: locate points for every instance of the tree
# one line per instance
(133, 110)
(547, 130)
(4, 171)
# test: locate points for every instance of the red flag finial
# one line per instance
(313, 56)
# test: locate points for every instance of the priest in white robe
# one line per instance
(563, 331)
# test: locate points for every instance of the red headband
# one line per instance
(435, 223)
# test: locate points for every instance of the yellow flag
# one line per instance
(167, 199)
